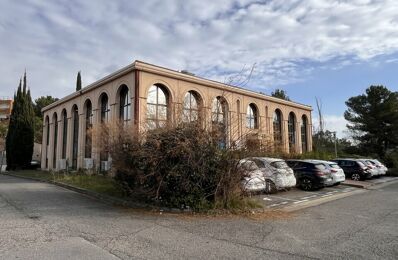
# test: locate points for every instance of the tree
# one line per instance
(20, 135)
(40, 102)
(280, 93)
(78, 82)
(373, 117)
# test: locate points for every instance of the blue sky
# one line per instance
(330, 49)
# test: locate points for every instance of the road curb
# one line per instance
(366, 185)
(104, 198)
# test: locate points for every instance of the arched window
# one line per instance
(88, 133)
(157, 107)
(219, 120)
(191, 107)
(251, 117)
(64, 133)
(55, 120)
(75, 138)
(105, 110)
(277, 125)
(47, 123)
(238, 116)
(304, 136)
(125, 105)
(292, 131)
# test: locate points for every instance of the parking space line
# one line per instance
(300, 201)
(326, 195)
(274, 205)
(285, 202)
(309, 197)
(282, 198)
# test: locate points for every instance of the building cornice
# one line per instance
(146, 67)
(150, 68)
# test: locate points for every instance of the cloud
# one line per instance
(286, 39)
(333, 123)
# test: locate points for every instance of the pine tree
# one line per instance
(20, 136)
(78, 82)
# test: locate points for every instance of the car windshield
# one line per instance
(333, 165)
(320, 166)
(279, 165)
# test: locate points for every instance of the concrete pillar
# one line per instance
(81, 140)
(44, 146)
(59, 143)
(298, 147)
(69, 142)
(50, 147)
(285, 136)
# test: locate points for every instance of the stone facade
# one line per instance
(142, 89)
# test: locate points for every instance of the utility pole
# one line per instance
(335, 143)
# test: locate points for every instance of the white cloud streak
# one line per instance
(55, 39)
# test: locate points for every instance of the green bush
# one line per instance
(177, 167)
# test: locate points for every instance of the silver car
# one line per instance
(336, 172)
(278, 175)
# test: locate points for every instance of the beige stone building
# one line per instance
(148, 96)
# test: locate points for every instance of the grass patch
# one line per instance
(97, 183)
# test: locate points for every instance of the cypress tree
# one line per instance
(78, 82)
(20, 136)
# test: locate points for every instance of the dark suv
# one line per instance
(310, 174)
(354, 169)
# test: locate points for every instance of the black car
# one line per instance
(310, 174)
(354, 169)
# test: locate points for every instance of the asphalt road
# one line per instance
(42, 221)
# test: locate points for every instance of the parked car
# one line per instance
(336, 172)
(382, 169)
(252, 176)
(278, 175)
(354, 169)
(372, 168)
(310, 174)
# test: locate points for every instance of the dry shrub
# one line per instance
(181, 166)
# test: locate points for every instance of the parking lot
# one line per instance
(297, 196)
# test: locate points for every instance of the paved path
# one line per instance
(42, 221)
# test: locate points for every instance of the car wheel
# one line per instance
(269, 187)
(306, 184)
(356, 177)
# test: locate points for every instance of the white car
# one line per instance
(379, 166)
(336, 172)
(277, 174)
(253, 178)
(372, 168)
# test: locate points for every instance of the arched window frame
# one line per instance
(157, 106)
(291, 123)
(191, 107)
(252, 117)
(124, 105)
(75, 137)
(47, 124)
(64, 133)
(105, 108)
(88, 129)
(277, 126)
(304, 134)
(219, 119)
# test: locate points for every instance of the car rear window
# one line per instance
(334, 165)
(320, 166)
(279, 164)
(360, 163)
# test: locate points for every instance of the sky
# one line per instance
(329, 50)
